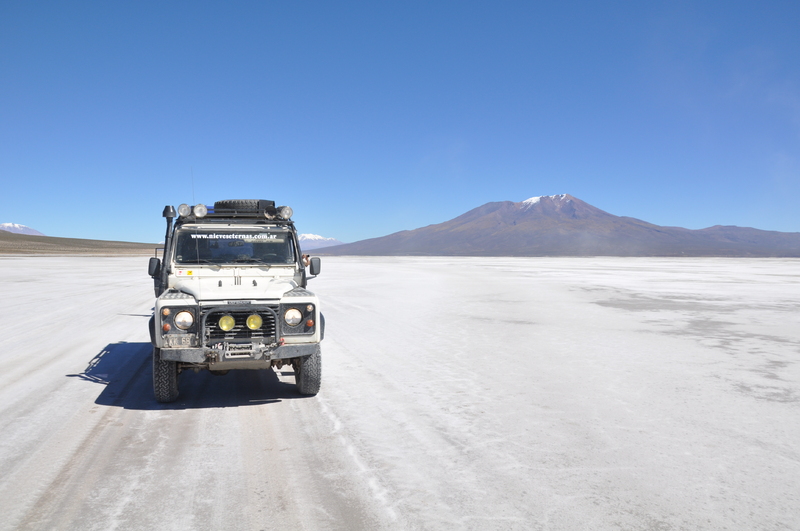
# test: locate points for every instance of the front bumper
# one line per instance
(221, 356)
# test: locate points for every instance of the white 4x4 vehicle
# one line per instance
(231, 294)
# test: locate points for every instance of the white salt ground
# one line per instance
(458, 393)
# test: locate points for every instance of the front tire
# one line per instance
(165, 378)
(308, 374)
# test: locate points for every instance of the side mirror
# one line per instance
(315, 266)
(154, 267)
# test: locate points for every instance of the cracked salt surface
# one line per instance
(458, 393)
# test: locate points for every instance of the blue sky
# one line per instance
(373, 117)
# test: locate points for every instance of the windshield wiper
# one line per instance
(250, 261)
(198, 261)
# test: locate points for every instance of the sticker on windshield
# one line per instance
(233, 236)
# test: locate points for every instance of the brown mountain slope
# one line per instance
(11, 243)
(563, 225)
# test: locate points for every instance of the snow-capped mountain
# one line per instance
(560, 198)
(563, 225)
(16, 228)
(309, 242)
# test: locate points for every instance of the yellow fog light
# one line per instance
(254, 322)
(226, 322)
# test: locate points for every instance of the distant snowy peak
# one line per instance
(313, 237)
(16, 228)
(556, 198)
(309, 242)
(559, 206)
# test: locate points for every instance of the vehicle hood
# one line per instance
(233, 283)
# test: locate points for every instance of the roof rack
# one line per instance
(219, 219)
(255, 209)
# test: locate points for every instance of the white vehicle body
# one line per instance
(231, 294)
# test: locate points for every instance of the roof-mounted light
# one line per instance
(285, 212)
(200, 211)
(184, 210)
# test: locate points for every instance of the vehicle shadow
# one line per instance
(126, 372)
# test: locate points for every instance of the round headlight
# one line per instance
(293, 317)
(184, 210)
(254, 322)
(200, 211)
(226, 322)
(184, 320)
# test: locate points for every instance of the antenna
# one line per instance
(192, 170)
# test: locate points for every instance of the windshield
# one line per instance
(196, 246)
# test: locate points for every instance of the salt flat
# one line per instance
(458, 393)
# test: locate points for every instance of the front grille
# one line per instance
(240, 330)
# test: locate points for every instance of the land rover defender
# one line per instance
(231, 294)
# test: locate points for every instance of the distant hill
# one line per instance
(310, 242)
(19, 229)
(11, 243)
(563, 225)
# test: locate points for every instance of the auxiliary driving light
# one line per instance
(285, 212)
(254, 322)
(184, 210)
(226, 322)
(200, 211)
